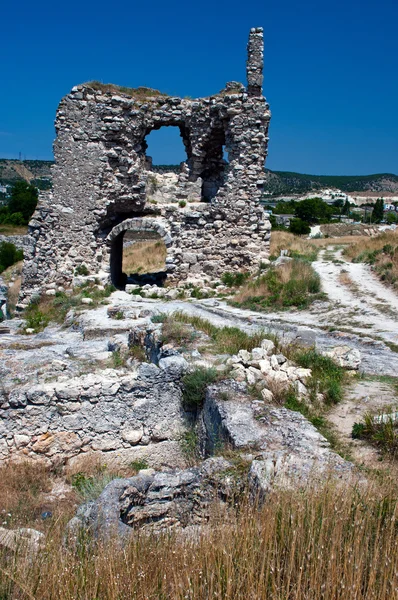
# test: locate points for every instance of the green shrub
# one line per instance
(299, 227)
(234, 279)
(381, 432)
(194, 387)
(9, 255)
(82, 270)
(327, 377)
(139, 464)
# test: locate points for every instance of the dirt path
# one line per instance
(357, 302)
(361, 397)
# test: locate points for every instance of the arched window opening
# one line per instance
(138, 257)
(164, 147)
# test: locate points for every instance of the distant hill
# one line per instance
(279, 183)
(33, 171)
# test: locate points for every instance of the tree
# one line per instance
(392, 217)
(23, 200)
(339, 203)
(299, 227)
(9, 255)
(346, 208)
(313, 210)
(378, 211)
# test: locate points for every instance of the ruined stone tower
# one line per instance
(102, 183)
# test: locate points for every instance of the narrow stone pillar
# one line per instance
(255, 62)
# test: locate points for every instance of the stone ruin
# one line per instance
(103, 184)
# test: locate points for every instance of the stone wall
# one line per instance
(130, 417)
(101, 179)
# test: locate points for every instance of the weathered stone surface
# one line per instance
(289, 450)
(103, 185)
(157, 501)
(345, 356)
(21, 540)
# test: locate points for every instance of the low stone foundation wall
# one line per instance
(131, 417)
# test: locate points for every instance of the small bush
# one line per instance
(182, 203)
(189, 443)
(194, 387)
(327, 377)
(234, 279)
(176, 332)
(159, 318)
(9, 255)
(139, 464)
(382, 432)
(294, 283)
(82, 270)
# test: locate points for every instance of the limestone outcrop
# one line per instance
(103, 185)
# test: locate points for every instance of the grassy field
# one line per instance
(330, 543)
(144, 257)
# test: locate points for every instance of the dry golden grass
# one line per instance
(145, 257)
(294, 283)
(347, 240)
(13, 229)
(22, 496)
(13, 291)
(334, 543)
(345, 279)
(282, 240)
(367, 244)
(381, 252)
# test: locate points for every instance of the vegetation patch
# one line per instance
(145, 257)
(294, 283)
(296, 246)
(380, 430)
(140, 93)
(224, 339)
(327, 377)
(48, 309)
(381, 252)
(303, 544)
(9, 255)
(234, 279)
(194, 387)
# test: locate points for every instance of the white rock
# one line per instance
(267, 395)
(245, 356)
(256, 373)
(265, 366)
(132, 436)
(277, 377)
(274, 363)
(87, 301)
(345, 356)
(268, 346)
(300, 388)
(239, 373)
(303, 374)
(19, 539)
(21, 440)
(258, 354)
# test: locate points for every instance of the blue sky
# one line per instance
(330, 71)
